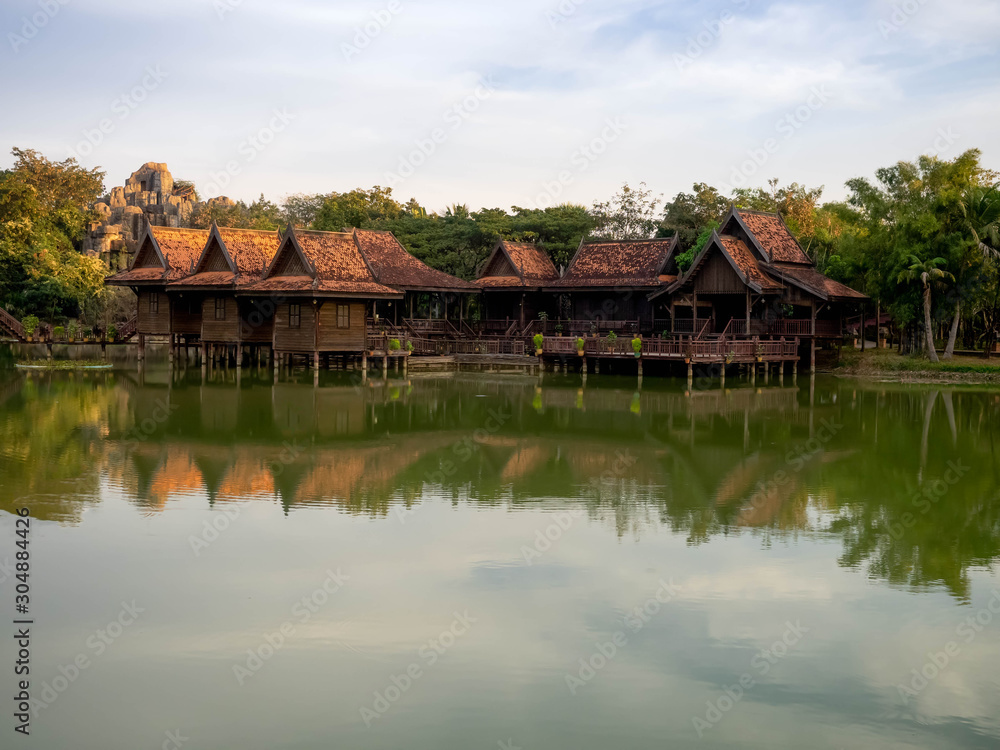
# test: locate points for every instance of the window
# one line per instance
(294, 316)
(154, 303)
(343, 316)
(220, 308)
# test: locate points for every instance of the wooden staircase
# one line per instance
(11, 326)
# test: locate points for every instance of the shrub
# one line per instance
(637, 345)
(58, 333)
(394, 345)
(612, 336)
(112, 331)
(580, 344)
(30, 324)
(409, 346)
(539, 339)
(72, 330)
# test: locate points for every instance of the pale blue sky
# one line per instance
(506, 98)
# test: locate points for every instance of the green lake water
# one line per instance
(501, 562)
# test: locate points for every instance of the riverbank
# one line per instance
(883, 364)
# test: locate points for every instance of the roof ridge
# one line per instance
(775, 214)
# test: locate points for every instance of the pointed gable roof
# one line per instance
(233, 257)
(740, 257)
(321, 262)
(526, 265)
(621, 263)
(769, 233)
(393, 265)
(165, 254)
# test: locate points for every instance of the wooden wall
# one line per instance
(150, 323)
(220, 331)
(256, 322)
(185, 314)
(301, 339)
(334, 339)
(716, 276)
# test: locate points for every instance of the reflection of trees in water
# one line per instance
(716, 463)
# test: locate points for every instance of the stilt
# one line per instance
(722, 377)
(690, 375)
(640, 373)
(385, 366)
(767, 373)
(781, 374)
(170, 351)
(597, 366)
(364, 363)
(316, 361)
(142, 347)
(795, 371)
(753, 373)
(812, 355)
(406, 361)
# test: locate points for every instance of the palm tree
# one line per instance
(981, 213)
(927, 272)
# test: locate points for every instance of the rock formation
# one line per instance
(148, 195)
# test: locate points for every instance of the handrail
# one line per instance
(703, 329)
(127, 329)
(12, 324)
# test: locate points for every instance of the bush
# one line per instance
(394, 345)
(58, 333)
(112, 331)
(409, 346)
(539, 339)
(72, 330)
(580, 344)
(30, 324)
(637, 345)
(612, 336)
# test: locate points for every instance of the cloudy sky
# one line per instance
(522, 102)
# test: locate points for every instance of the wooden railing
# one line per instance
(715, 349)
(127, 329)
(494, 347)
(430, 327)
(12, 325)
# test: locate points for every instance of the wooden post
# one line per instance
(142, 347)
(690, 375)
(812, 354)
(722, 376)
(753, 373)
(767, 372)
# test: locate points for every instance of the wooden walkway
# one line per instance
(728, 351)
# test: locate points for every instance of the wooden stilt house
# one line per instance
(321, 288)
(230, 260)
(512, 281)
(165, 255)
(754, 279)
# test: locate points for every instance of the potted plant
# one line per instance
(30, 324)
(409, 347)
(58, 333)
(72, 332)
(394, 345)
(730, 356)
(760, 352)
(559, 329)
(539, 340)
(637, 346)
(112, 332)
(580, 345)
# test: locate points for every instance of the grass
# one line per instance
(64, 364)
(885, 361)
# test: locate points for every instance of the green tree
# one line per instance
(44, 212)
(357, 209)
(688, 214)
(630, 215)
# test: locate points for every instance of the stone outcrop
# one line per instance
(148, 195)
